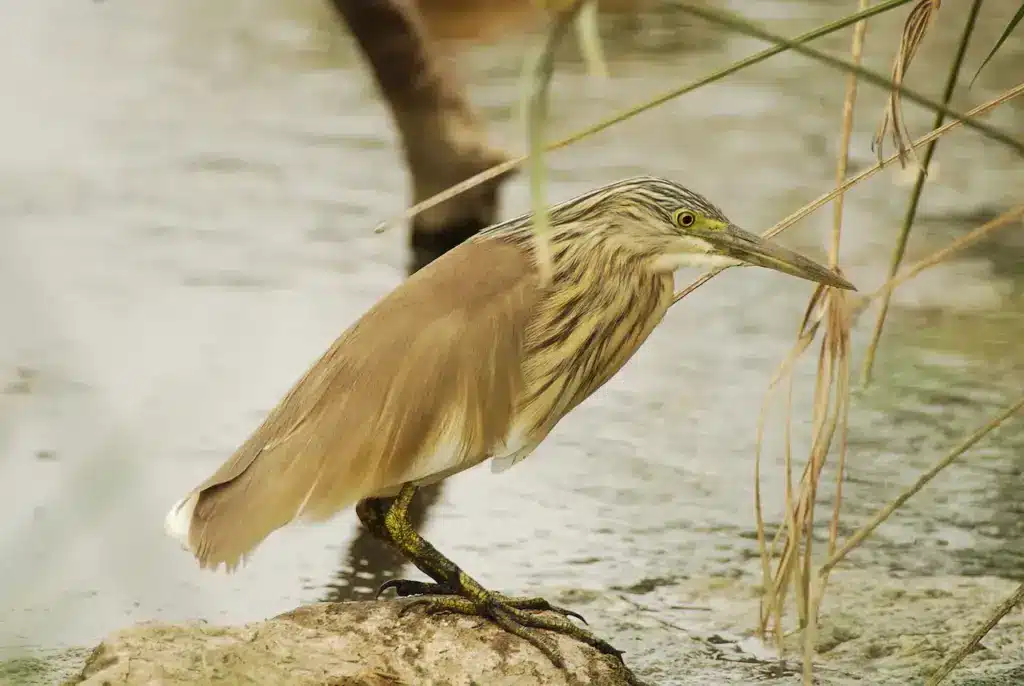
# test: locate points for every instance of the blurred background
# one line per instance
(188, 192)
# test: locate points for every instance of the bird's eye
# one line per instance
(685, 218)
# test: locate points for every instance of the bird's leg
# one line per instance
(372, 513)
(456, 591)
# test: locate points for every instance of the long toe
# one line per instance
(561, 625)
(536, 605)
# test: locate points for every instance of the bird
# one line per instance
(475, 357)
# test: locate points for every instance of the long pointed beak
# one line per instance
(751, 249)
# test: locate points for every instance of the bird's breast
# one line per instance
(581, 336)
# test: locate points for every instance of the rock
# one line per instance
(875, 628)
(44, 667)
(343, 644)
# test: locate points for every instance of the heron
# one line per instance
(475, 357)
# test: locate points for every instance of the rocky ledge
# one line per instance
(342, 644)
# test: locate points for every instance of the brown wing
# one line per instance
(426, 381)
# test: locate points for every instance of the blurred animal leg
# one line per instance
(456, 591)
(442, 136)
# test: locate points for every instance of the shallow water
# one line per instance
(189, 192)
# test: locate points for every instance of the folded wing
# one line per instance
(426, 382)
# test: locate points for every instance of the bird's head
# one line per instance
(680, 228)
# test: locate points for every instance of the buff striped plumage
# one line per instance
(468, 359)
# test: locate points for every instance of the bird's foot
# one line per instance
(515, 615)
(457, 592)
(408, 587)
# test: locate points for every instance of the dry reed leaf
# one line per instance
(838, 343)
(828, 307)
(769, 605)
(838, 314)
(833, 383)
(914, 30)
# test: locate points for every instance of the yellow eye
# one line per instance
(685, 218)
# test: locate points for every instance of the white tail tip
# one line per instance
(179, 519)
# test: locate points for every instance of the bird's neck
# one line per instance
(599, 307)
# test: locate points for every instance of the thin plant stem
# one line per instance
(537, 110)
(776, 588)
(805, 336)
(833, 340)
(843, 393)
(856, 52)
(590, 40)
(505, 167)
(1016, 598)
(782, 373)
(915, 195)
(775, 593)
(831, 418)
(786, 565)
(966, 444)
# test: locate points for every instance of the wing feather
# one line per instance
(426, 382)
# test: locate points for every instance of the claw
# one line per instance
(390, 583)
(408, 587)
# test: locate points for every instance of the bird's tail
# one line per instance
(261, 488)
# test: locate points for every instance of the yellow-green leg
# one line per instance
(457, 592)
(372, 512)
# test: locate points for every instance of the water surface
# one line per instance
(189, 192)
